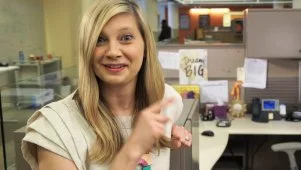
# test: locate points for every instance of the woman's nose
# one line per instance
(113, 50)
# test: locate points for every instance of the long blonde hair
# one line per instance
(150, 83)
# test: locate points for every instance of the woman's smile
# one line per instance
(115, 68)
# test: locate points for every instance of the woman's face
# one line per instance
(119, 51)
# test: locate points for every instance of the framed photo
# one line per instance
(184, 21)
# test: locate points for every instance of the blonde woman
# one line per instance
(122, 114)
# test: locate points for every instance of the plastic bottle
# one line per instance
(21, 57)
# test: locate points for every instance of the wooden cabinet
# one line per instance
(272, 33)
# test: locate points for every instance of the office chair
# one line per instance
(289, 148)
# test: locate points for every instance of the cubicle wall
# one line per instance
(282, 83)
(223, 59)
(282, 78)
(187, 158)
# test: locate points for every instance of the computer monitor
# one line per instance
(269, 104)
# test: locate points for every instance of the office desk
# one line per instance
(211, 148)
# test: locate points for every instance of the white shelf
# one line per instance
(30, 96)
(37, 72)
(9, 68)
(34, 63)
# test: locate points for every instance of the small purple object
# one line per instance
(220, 112)
(190, 95)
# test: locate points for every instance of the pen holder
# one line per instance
(220, 112)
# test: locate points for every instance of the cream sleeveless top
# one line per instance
(61, 128)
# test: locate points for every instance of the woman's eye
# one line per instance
(101, 40)
(126, 38)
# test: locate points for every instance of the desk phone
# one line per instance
(271, 108)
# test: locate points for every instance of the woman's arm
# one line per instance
(180, 137)
(148, 129)
(127, 158)
(48, 160)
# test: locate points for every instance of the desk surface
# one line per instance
(245, 126)
(9, 68)
(211, 148)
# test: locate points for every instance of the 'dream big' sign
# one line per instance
(193, 66)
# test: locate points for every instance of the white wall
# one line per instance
(21, 28)
(86, 4)
(150, 9)
(296, 3)
(173, 13)
(62, 18)
(161, 10)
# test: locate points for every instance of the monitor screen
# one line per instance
(270, 104)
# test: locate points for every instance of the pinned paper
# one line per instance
(240, 71)
(169, 60)
(255, 73)
(214, 91)
(193, 65)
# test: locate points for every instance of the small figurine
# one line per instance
(235, 92)
(237, 107)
